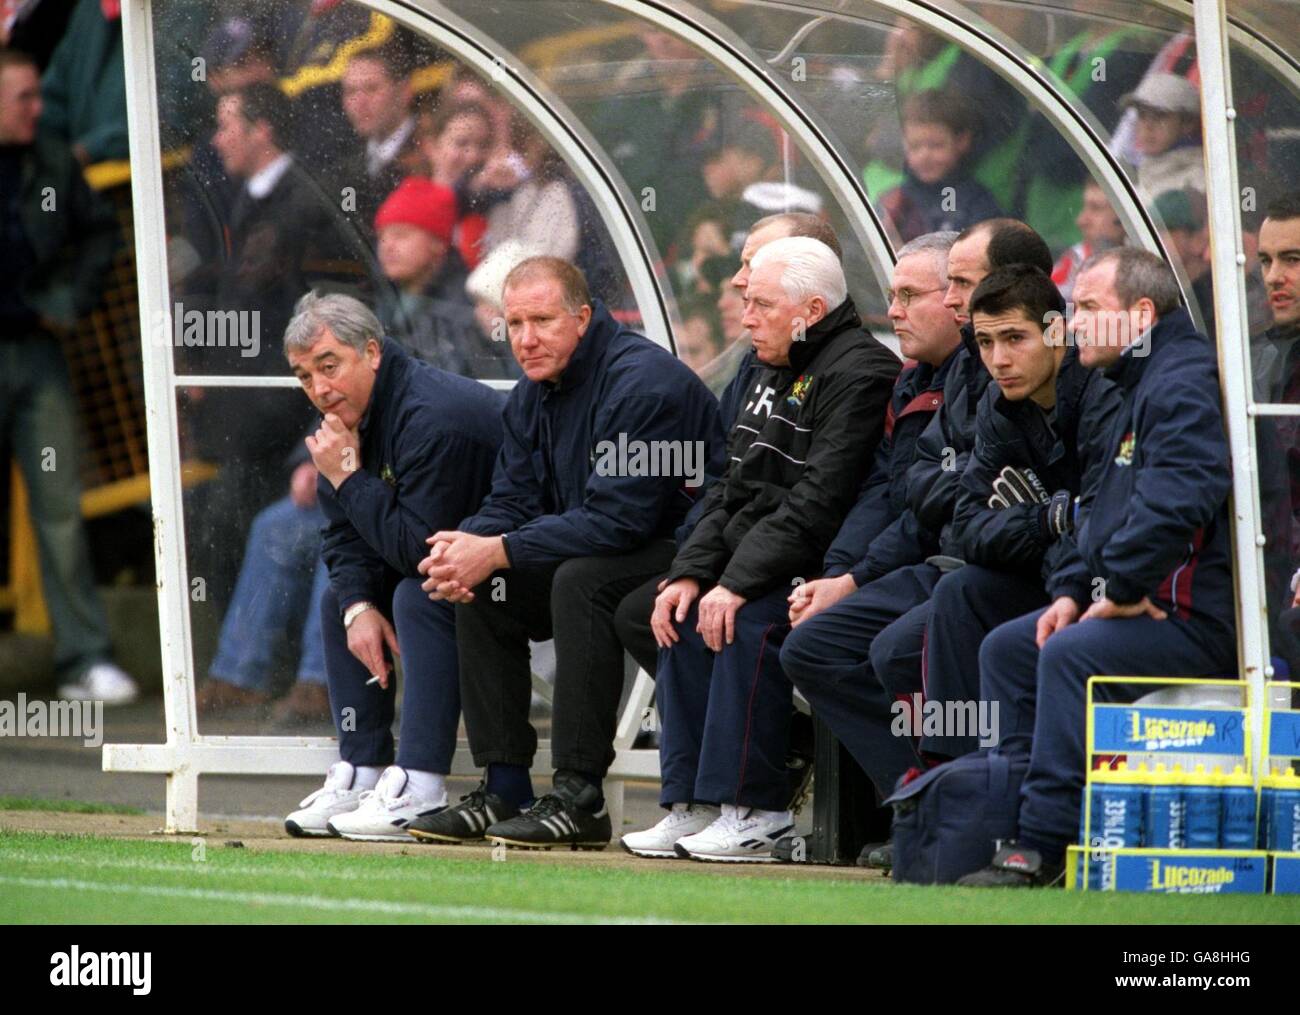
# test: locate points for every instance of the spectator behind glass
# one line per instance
(455, 142)
(1099, 229)
(52, 263)
(540, 213)
(697, 339)
(937, 194)
(1168, 134)
(376, 97)
(84, 86)
(1186, 236)
(423, 303)
(284, 238)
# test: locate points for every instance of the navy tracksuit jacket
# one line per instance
(428, 441)
(1157, 527)
(548, 495)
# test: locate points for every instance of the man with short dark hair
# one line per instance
(1154, 533)
(608, 440)
(1039, 444)
(58, 241)
(376, 97)
(403, 449)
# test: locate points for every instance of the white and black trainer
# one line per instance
(740, 835)
(658, 842)
(466, 821)
(336, 797)
(383, 813)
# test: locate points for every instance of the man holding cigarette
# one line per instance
(403, 450)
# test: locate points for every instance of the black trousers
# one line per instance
(574, 603)
(632, 622)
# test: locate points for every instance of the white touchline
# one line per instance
(428, 911)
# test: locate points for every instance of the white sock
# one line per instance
(426, 785)
(367, 777)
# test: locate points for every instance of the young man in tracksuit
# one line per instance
(1156, 535)
(403, 449)
(608, 439)
(1040, 436)
(799, 453)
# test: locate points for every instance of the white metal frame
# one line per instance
(1228, 261)
(186, 754)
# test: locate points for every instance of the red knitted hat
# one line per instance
(418, 201)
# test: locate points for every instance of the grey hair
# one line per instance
(936, 245)
(810, 268)
(1140, 273)
(350, 320)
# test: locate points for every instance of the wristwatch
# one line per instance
(354, 611)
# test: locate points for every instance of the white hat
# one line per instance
(1169, 93)
(485, 282)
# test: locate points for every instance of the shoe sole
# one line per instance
(433, 838)
(497, 840)
(650, 854)
(686, 854)
(373, 838)
(298, 832)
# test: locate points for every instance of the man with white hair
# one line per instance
(799, 451)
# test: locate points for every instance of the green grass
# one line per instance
(48, 878)
(31, 803)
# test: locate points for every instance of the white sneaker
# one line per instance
(383, 813)
(683, 819)
(334, 798)
(104, 682)
(740, 835)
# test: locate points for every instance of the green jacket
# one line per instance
(72, 231)
(84, 87)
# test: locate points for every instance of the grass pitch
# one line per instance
(61, 878)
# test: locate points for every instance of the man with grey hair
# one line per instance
(799, 452)
(403, 450)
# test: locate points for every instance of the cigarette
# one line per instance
(372, 680)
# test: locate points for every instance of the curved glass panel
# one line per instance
(941, 139)
(1135, 72)
(698, 150)
(327, 147)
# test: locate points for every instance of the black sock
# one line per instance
(511, 783)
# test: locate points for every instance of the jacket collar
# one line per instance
(393, 366)
(591, 348)
(842, 318)
(1175, 327)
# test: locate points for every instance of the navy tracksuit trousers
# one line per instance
(725, 716)
(1041, 698)
(967, 604)
(853, 660)
(363, 713)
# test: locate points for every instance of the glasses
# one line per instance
(906, 296)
